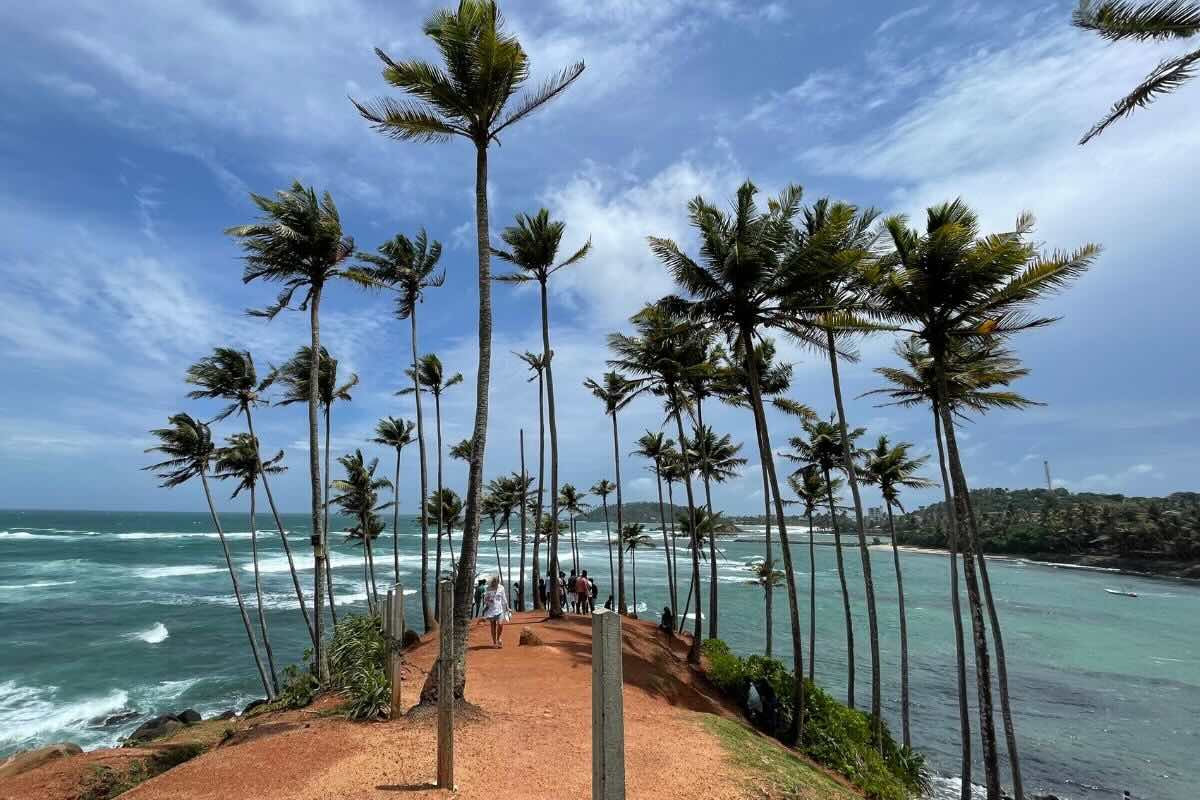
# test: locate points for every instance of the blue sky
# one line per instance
(131, 133)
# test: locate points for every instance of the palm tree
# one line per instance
(615, 392)
(359, 498)
(374, 527)
(229, 374)
(1152, 20)
(520, 500)
(293, 375)
(672, 473)
(493, 507)
(482, 68)
(810, 488)
(298, 241)
(824, 288)
(734, 292)
(239, 459)
(655, 446)
(733, 388)
(632, 540)
(409, 268)
(890, 468)
(716, 461)
(768, 578)
(428, 376)
(533, 244)
(662, 357)
(450, 506)
(538, 366)
(699, 534)
(188, 447)
(602, 489)
(396, 434)
(946, 284)
(973, 370)
(571, 501)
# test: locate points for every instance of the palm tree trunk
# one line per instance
(633, 552)
(396, 522)
(426, 607)
(496, 547)
(769, 560)
(262, 617)
(812, 601)
(620, 593)
(437, 571)
(314, 468)
(662, 515)
(612, 572)
(841, 567)
(574, 542)
(371, 568)
(325, 522)
(864, 551)
(960, 656)
(764, 450)
(537, 521)
(698, 632)
(524, 514)
(907, 738)
(508, 542)
(682, 618)
(712, 541)
(547, 357)
(983, 677)
(287, 548)
(237, 592)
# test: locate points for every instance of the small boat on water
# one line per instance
(1121, 592)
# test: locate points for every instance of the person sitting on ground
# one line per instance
(495, 610)
(667, 623)
(610, 603)
(479, 590)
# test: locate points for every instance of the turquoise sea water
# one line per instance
(106, 612)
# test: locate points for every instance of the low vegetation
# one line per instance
(105, 782)
(357, 668)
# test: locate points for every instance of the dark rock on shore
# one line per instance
(156, 728)
(190, 716)
(230, 714)
(113, 720)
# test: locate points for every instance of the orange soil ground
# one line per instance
(530, 739)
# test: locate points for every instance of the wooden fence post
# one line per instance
(445, 754)
(608, 708)
(394, 630)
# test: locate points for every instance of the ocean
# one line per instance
(104, 613)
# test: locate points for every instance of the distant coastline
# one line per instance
(1154, 568)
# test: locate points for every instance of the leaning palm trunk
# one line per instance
(287, 548)
(237, 592)
(662, 515)
(325, 523)
(371, 571)
(548, 358)
(764, 449)
(712, 542)
(537, 519)
(983, 677)
(697, 633)
(426, 607)
(769, 561)
(960, 656)
(673, 561)
(314, 466)
(864, 551)
(262, 617)
(903, 631)
(841, 566)
(812, 600)
(620, 593)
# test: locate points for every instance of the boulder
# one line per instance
(155, 728)
(230, 714)
(31, 759)
(189, 717)
(529, 638)
(113, 720)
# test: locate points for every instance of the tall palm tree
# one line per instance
(825, 289)
(188, 447)
(428, 376)
(733, 290)
(810, 488)
(661, 356)
(571, 501)
(822, 446)
(359, 498)
(699, 533)
(229, 374)
(733, 388)
(654, 446)
(239, 460)
(293, 376)
(973, 370)
(717, 460)
(615, 392)
(672, 473)
(946, 284)
(602, 489)
(493, 508)
(483, 67)
(632, 540)
(890, 468)
(538, 366)
(520, 501)
(396, 434)
(533, 244)
(409, 267)
(298, 241)
(1151, 20)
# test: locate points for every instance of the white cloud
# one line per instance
(899, 17)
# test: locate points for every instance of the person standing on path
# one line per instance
(495, 610)
(479, 589)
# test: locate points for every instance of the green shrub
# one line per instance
(299, 687)
(833, 735)
(358, 666)
(106, 783)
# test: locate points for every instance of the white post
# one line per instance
(445, 754)
(608, 708)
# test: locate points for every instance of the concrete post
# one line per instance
(445, 755)
(394, 629)
(608, 708)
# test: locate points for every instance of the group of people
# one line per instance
(579, 592)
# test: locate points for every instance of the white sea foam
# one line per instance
(26, 712)
(152, 635)
(175, 572)
(36, 585)
(18, 535)
(138, 535)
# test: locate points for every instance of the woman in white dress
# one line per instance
(495, 610)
